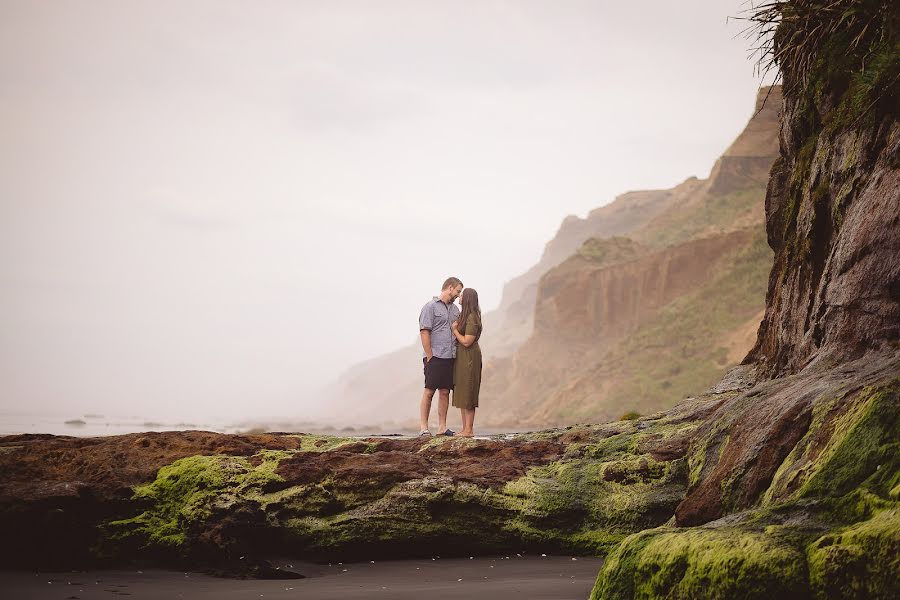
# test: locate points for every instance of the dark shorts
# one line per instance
(438, 373)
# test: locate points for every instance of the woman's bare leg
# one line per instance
(468, 420)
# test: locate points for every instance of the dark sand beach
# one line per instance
(532, 577)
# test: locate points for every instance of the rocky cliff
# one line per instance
(512, 322)
(630, 324)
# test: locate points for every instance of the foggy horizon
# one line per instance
(213, 209)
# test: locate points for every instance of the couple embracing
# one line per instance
(452, 358)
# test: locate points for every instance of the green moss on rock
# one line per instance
(322, 443)
(861, 561)
(863, 450)
(853, 440)
(187, 492)
(702, 563)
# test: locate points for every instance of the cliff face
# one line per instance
(703, 254)
(833, 220)
(511, 324)
(588, 309)
(832, 213)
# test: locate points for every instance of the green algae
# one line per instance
(702, 563)
(188, 491)
(322, 443)
(587, 504)
(851, 441)
(860, 561)
(827, 527)
(414, 518)
(864, 450)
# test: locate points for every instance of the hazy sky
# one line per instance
(213, 208)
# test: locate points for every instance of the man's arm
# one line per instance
(425, 334)
(426, 322)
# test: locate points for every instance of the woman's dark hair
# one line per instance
(470, 308)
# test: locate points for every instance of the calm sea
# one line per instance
(94, 425)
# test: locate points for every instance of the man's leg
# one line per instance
(443, 407)
(425, 409)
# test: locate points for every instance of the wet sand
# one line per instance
(496, 578)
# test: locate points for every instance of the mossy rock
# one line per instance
(703, 563)
(186, 493)
(852, 442)
(861, 561)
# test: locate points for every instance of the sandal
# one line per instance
(426, 432)
(449, 432)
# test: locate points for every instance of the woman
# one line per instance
(467, 366)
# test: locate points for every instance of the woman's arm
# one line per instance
(465, 340)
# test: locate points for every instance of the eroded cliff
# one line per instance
(617, 332)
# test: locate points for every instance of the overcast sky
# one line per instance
(215, 207)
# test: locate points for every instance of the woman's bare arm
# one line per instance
(465, 340)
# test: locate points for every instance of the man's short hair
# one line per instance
(451, 282)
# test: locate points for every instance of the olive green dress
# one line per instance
(467, 368)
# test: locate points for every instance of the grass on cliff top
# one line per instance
(814, 40)
(609, 251)
(714, 215)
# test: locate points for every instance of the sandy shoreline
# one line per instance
(533, 577)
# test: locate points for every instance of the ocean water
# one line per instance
(91, 425)
(97, 425)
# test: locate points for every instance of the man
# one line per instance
(439, 346)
